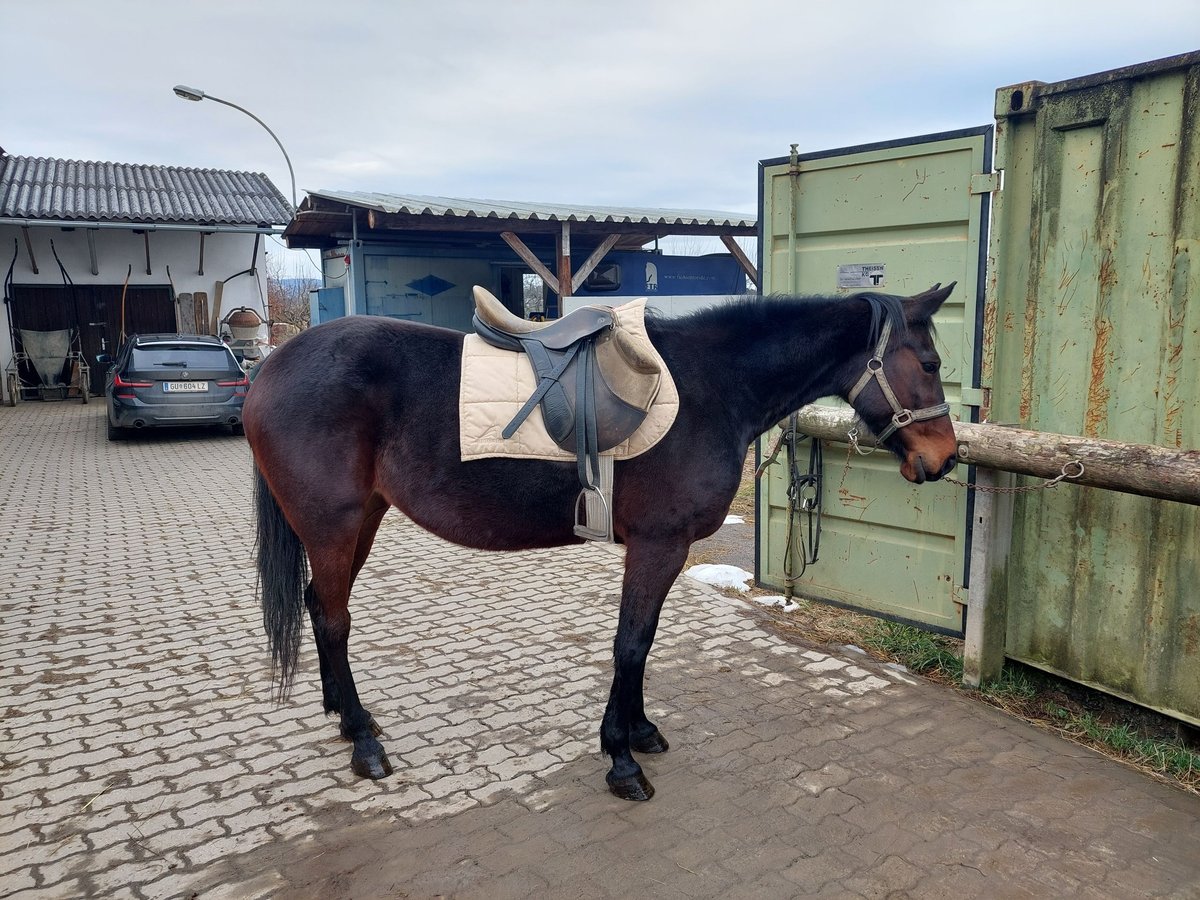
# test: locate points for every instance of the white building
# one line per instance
(112, 249)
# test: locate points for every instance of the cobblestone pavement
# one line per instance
(143, 755)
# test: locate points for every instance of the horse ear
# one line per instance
(921, 307)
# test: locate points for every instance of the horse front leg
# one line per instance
(650, 570)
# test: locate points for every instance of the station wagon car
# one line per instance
(174, 380)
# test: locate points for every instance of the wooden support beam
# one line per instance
(146, 241)
(564, 263)
(200, 267)
(91, 239)
(529, 259)
(1142, 469)
(592, 261)
(987, 599)
(743, 260)
(29, 249)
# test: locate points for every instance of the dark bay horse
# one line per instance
(361, 414)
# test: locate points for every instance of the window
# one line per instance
(605, 277)
(182, 356)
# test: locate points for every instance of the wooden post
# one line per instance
(987, 597)
(564, 266)
(29, 249)
(91, 239)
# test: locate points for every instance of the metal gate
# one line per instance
(895, 217)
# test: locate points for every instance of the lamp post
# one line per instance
(191, 93)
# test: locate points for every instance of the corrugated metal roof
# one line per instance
(35, 188)
(413, 204)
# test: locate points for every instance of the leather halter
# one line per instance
(901, 416)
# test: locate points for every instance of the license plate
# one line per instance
(185, 387)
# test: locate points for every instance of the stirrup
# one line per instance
(596, 521)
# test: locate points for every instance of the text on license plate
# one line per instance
(185, 387)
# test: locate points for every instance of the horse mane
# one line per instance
(763, 312)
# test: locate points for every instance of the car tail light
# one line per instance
(243, 383)
(120, 382)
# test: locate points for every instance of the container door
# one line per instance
(895, 217)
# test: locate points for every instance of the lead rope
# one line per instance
(804, 496)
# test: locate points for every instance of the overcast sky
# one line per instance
(646, 103)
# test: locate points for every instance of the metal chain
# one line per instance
(1048, 483)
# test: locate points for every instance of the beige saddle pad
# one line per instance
(496, 383)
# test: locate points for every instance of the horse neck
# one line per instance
(758, 367)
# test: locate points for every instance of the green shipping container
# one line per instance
(1093, 329)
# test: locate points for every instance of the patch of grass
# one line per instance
(1163, 756)
(919, 651)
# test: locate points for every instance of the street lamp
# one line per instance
(191, 93)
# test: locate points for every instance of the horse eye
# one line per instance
(930, 367)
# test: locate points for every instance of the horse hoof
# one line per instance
(633, 787)
(651, 743)
(374, 767)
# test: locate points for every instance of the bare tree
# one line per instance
(287, 292)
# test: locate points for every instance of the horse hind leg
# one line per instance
(331, 698)
(334, 566)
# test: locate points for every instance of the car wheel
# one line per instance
(236, 430)
(114, 433)
(12, 390)
(83, 393)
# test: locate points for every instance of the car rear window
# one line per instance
(182, 357)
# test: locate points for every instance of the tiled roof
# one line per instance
(70, 190)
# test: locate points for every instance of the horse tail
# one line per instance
(282, 576)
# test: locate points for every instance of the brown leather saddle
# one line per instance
(596, 382)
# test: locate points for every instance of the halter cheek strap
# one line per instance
(901, 416)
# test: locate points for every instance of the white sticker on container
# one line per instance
(861, 275)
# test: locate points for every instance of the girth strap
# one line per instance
(587, 439)
(547, 378)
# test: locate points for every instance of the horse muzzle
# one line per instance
(919, 467)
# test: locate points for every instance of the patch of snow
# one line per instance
(734, 520)
(900, 673)
(721, 576)
(777, 602)
(854, 649)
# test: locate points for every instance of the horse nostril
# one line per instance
(951, 462)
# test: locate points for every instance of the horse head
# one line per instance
(899, 391)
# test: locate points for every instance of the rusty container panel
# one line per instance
(1092, 327)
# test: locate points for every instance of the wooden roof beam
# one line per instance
(528, 257)
(740, 255)
(592, 261)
